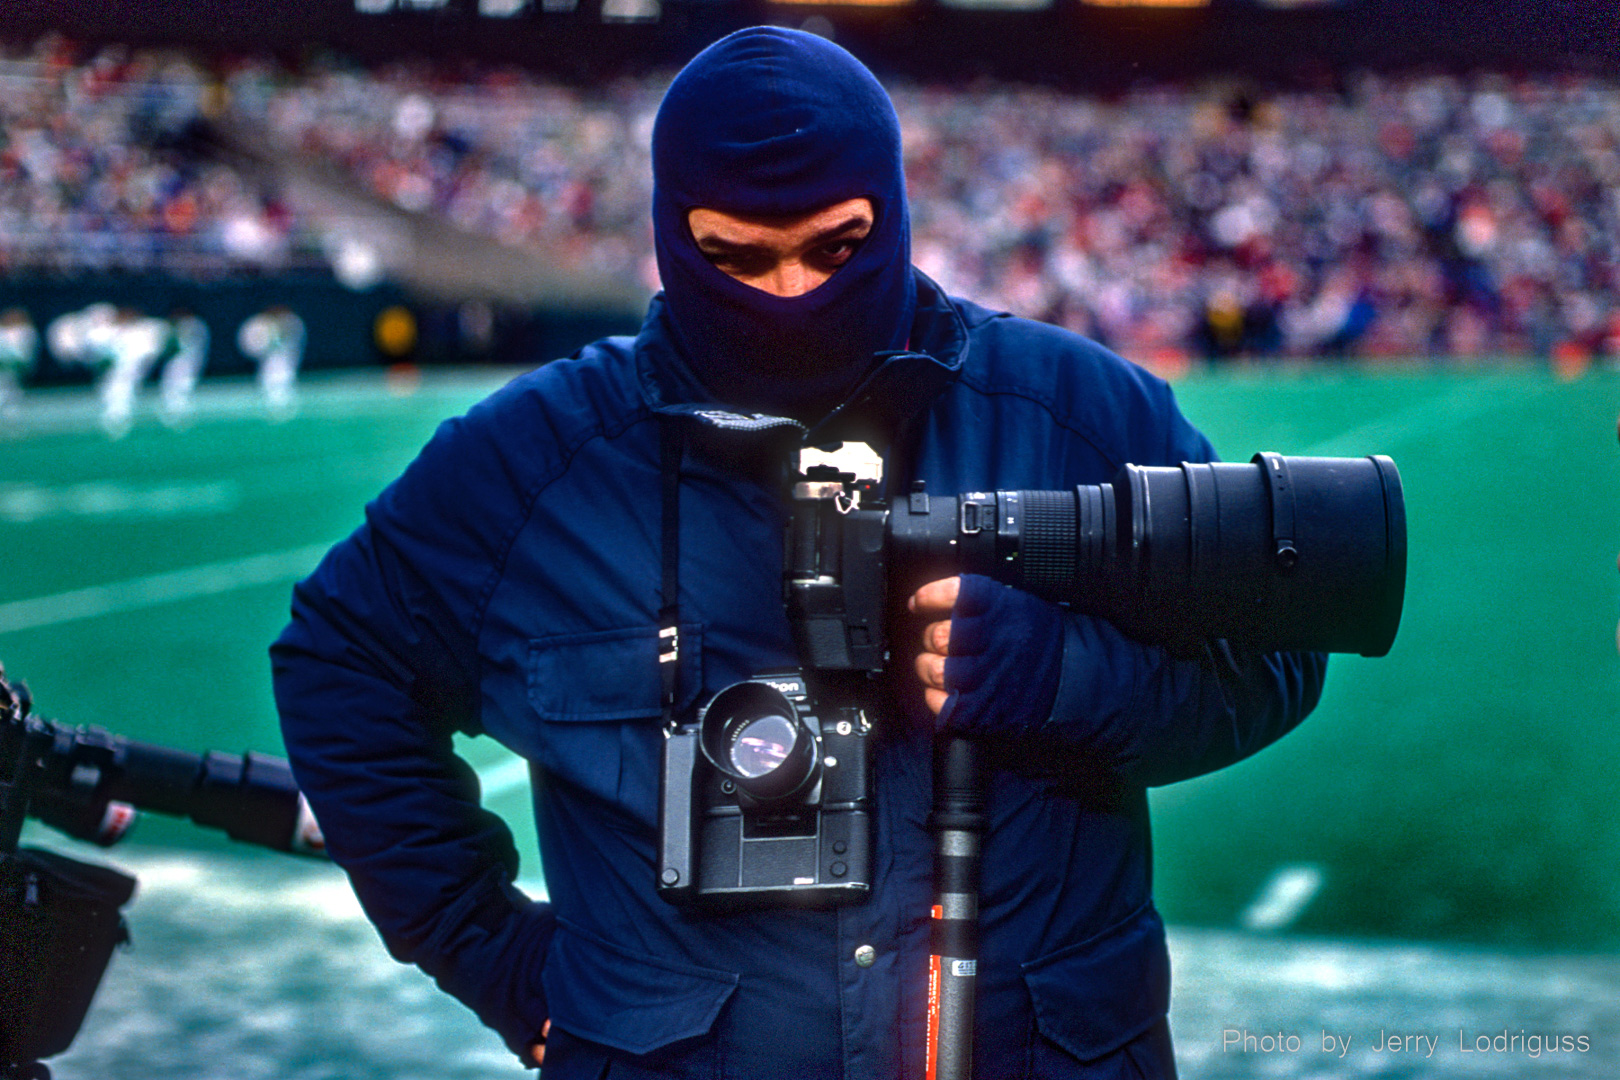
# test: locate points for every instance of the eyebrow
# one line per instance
(715, 245)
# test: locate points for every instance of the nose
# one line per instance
(791, 277)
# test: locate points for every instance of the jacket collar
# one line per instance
(901, 386)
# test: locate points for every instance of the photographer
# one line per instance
(509, 583)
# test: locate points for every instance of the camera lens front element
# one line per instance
(753, 733)
(762, 745)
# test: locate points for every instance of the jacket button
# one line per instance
(866, 956)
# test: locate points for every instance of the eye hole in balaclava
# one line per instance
(775, 123)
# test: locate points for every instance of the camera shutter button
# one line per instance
(865, 956)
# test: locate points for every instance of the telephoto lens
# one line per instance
(1280, 553)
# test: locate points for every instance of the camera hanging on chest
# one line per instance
(766, 798)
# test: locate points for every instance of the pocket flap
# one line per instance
(609, 674)
(1096, 996)
(628, 1000)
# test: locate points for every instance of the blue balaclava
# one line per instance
(769, 122)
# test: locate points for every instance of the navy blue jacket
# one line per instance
(508, 583)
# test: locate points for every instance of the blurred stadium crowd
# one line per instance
(1390, 216)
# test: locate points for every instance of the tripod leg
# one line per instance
(958, 822)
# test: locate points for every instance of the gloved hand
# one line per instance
(992, 667)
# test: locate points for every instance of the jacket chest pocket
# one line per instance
(1100, 1004)
(599, 697)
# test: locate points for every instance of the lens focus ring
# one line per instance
(1046, 547)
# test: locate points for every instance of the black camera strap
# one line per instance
(669, 634)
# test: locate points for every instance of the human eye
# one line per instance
(835, 253)
(739, 262)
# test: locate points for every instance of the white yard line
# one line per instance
(208, 579)
(1284, 898)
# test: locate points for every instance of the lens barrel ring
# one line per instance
(758, 707)
(1047, 554)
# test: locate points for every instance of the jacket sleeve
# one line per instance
(374, 673)
(1154, 717)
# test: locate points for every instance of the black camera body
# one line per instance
(59, 917)
(767, 798)
(798, 831)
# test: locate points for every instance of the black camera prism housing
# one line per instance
(766, 799)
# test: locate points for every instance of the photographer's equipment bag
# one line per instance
(59, 924)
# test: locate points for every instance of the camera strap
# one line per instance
(669, 635)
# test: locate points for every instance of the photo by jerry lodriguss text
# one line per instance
(1529, 1043)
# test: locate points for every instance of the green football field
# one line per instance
(1437, 847)
(1462, 788)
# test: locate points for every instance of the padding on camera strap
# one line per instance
(669, 635)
